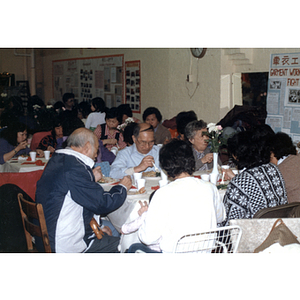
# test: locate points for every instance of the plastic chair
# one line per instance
(29, 211)
(219, 240)
(290, 210)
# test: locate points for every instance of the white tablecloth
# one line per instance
(17, 166)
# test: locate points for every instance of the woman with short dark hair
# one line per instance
(185, 205)
(259, 183)
(97, 116)
(152, 116)
(284, 155)
(13, 142)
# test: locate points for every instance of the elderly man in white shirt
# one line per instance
(140, 156)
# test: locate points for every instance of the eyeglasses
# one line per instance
(144, 143)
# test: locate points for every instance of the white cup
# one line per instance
(213, 177)
(141, 183)
(225, 167)
(163, 182)
(32, 155)
(136, 177)
(164, 176)
(47, 154)
(114, 150)
(205, 177)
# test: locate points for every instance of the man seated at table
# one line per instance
(71, 197)
(140, 156)
(184, 206)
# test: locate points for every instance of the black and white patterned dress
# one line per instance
(253, 190)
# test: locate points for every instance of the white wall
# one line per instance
(163, 75)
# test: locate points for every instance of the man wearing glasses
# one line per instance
(140, 156)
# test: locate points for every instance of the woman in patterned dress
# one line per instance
(259, 183)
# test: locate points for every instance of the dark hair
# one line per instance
(192, 128)
(67, 96)
(99, 104)
(177, 157)
(137, 129)
(124, 109)
(84, 108)
(250, 149)
(152, 110)
(183, 118)
(128, 133)
(282, 145)
(111, 113)
(10, 134)
(56, 123)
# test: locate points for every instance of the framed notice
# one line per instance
(283, 101)
(87, 78)
(133, 85)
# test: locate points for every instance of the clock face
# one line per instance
(198, 52)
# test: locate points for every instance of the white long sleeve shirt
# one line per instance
(184, 206)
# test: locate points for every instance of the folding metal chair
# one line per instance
(218, 240)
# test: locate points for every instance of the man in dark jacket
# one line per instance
(71, 197)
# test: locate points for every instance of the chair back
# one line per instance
(29, 211)
(290, 210)
(218, 240)
(37, 137)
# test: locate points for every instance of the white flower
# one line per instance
(3, 95)
(129, 120)
(49, 106)
(36, 106)
(211, 127)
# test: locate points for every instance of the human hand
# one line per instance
(97, 173)
(208, 158)
(51, 149)
(126, 181)
(144, 207)
(228, 174)
(22, 145)
(40, 153)
(107, 230)
(109, 141)
(146, 162)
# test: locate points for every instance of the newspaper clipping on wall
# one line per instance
(283, 100)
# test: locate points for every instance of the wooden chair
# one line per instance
(31, 210)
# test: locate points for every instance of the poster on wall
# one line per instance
(283, 100)
(87, 78)
(133, 85)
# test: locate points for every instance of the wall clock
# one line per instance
(198, 52)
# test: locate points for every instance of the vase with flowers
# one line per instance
(215, 142)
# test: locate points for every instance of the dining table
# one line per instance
(23, 164)
(129, 210)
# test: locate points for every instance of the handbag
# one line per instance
(279, 233)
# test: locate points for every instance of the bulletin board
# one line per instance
(87, 78)
(283, 100)
(133, 85)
